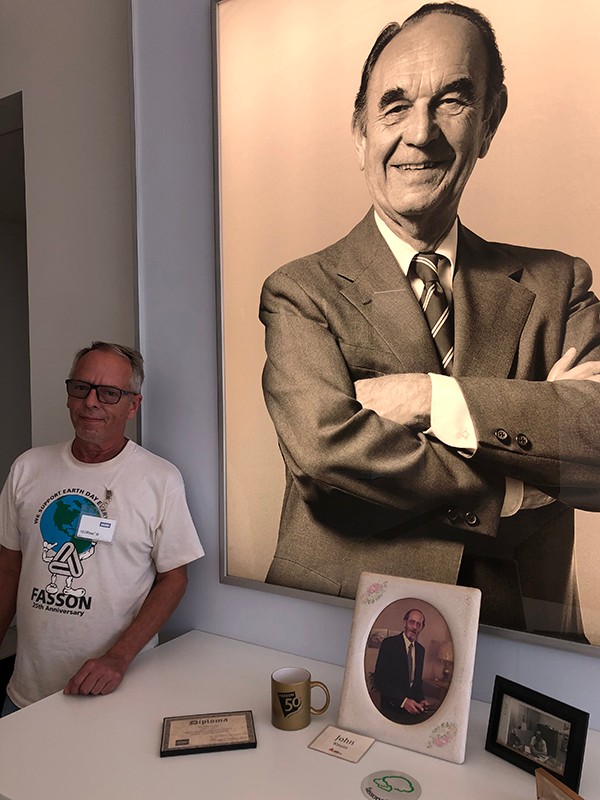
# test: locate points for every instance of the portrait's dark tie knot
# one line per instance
(434, 303)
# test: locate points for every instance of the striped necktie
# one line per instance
(411, 663)
(435, 306)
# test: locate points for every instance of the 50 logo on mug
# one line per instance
(290, 702)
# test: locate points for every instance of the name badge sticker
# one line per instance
(96, 529)
(341, 744)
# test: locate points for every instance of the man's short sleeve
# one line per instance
(176, 542)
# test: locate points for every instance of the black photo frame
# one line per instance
(516, 716)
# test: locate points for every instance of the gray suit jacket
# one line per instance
(364, 493)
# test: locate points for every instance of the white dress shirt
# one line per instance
(451, 421)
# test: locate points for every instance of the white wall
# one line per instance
(172, 77)
(71, 60)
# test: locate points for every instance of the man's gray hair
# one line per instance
(134, 357)
(495, 67)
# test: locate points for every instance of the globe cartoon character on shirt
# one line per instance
(62, 550)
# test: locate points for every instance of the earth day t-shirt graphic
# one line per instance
(63, 552)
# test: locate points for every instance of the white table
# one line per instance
(107, 748)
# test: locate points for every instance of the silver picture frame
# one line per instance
(285, 76)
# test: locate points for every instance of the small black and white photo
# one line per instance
(534, 731)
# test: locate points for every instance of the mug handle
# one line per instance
(325, 706)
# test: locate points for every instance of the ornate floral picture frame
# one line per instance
(448, 617)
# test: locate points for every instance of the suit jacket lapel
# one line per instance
(379, 290)
(490, 308)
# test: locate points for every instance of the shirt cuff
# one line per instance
(451, 422)
(513, 497)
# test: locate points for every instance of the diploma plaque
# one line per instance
(207, 733)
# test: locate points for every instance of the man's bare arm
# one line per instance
(103, 675)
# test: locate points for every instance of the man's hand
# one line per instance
(404, 398)
(103, 675)
(562, 370)
(97, 676)
(48, 553)
(415, 708)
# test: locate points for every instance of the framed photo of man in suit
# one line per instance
(322, 475)
(410, 664)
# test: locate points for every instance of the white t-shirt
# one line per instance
(76, 597)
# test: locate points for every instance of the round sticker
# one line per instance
(390, 783)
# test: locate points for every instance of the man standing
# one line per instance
(434, 394)
(398, 672)
(95, 537)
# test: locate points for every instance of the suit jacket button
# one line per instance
(502, 436)
(471, 518)
(452, 514)
(523, 441)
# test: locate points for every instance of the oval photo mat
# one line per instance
(436, 640)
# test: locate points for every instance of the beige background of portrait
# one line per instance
(290, 185)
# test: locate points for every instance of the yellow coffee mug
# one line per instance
(291, 698)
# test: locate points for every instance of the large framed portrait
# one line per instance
(533, 731)
(311, 494)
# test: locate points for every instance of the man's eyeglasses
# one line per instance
(105, 394)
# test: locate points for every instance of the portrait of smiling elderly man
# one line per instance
(434, 394)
